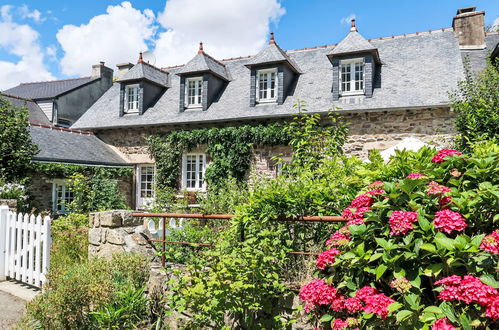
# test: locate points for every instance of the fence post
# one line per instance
(4, 214)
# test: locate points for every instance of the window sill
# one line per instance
(131, 113)
(274, 101)
(353, 93)
(194, 107)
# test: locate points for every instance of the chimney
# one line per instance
(469, 27)
(103, 72)
(123, 68)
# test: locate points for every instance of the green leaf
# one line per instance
(326, 318)
(428, 247)
(477, 240)
(445, 242)
(448, 311)
(403, 315)
(464, 321)
(380, 270)
(382, 242)
(432, 309)
(394, 306)
(423, 223)
(375, 256)
(489, 280)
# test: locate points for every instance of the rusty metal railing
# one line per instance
(327, 218)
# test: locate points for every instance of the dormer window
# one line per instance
(132, 99)
(352, 77)
(267, 85)
(194, 92)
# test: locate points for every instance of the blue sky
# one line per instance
(42, 40)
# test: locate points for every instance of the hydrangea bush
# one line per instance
(420, 252)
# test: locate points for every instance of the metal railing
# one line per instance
(200, 216)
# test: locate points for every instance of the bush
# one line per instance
(69, 241)
(415, 252)
(14, 191)
(74, 292)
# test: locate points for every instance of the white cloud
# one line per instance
(34, 14)
(114, 37)
(227, 28)
(21, 41)
(51, 52)
(346, 20)
(495, 25)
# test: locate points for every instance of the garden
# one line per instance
(418, 247)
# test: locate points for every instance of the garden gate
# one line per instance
(24, 246)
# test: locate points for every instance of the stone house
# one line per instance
(64, 101)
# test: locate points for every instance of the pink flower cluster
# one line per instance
(470, 289)
(447, 221)
(339, 324)
(440, 156)
(437, 189)
(442, 324)
(490, 243)
(367, 300)
(338, 239)
(415, 176)
(401, 222)
(354, 213)
(326, 258)
(317, 293)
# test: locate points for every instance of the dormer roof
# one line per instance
(145, 71)
(273, 54)
(354, 43)
(203, 62)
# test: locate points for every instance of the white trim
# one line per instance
(127, 110)
(351, 64)
(268, 89)
(197, 97)
(198, 186)
(63, 184)
(144, 202)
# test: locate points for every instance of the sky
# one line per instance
(45, 39)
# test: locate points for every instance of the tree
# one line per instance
(476, 102)
(16, 147)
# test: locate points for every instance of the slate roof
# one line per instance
(203, 62)
(36, 115)
(272, 53)
(353, 43)
(417, 72)
(48, 89)
(67, 146)
(477, 58)
(147, 72)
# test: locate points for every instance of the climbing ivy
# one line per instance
(229, 149)
(58, 170)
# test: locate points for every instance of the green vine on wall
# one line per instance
(229, 149)
(58, 170)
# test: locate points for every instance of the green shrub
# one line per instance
(73, 292)
(415, 232)
(69, 240)
(14, 191)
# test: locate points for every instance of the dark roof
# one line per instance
(36, 115)
(418, 71)
(272, 53)
(477, 58)
(203, 62)
(147, 72)
(354, 43)
(68, 146)
(48, 89)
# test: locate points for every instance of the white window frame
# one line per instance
(268, 89)
(67, 196)
(143, 202)
(198, 92)
(351, 63)
(199, 185)
(135, 104)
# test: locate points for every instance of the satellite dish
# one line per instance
(149, 57)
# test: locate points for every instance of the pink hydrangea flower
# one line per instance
(363, 200)
(338, 303)
(338, 324)
(378, 304)
(365, 292)
(437, 189)
(444, 201)
(490, 243)
(442, 324)
(401, 222)
(467, 289)
(354, 216)
(440, 156)
(447, 221)
(492, 310)
(326, 258)
(415, 176)
(338, 239)
(317, 293)
(453, 280)
(353, 305)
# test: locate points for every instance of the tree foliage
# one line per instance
(16, 147)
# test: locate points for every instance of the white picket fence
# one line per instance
(25, 246)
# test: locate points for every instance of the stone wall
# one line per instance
(41, 190)
(11, 203)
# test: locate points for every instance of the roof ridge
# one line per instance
(331, 45)
(56, 80)
(214, 59)
(62, 129)
(16, 97)
(154, 67)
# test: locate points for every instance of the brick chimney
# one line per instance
(123, 68)
(469, 27)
